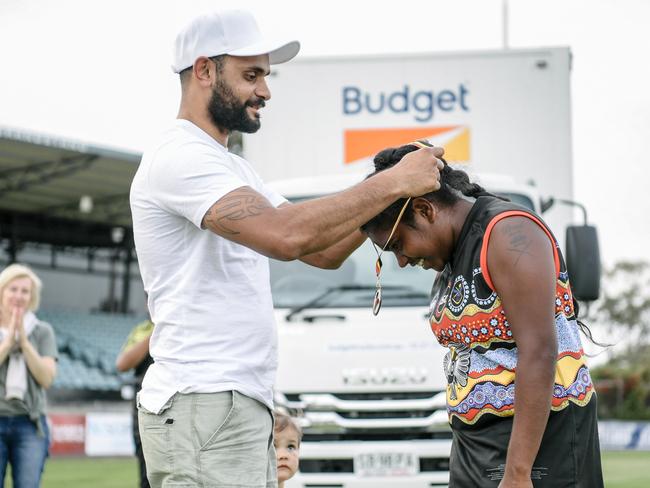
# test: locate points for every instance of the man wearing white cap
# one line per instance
(205, 225)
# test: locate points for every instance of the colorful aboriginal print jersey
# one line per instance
(467, 316)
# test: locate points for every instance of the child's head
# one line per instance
(286, 439)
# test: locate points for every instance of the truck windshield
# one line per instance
(296, 283)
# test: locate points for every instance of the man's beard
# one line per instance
(230, 114)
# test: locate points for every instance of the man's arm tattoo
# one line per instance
(519, 241)
(242, 204)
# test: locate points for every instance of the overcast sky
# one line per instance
(98, 71)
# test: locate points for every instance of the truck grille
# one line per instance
(410, 414)
(370, 416)
(411, 395)
(376, 436)
(427, 465)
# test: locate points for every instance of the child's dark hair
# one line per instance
(453, 184)
(282, 421)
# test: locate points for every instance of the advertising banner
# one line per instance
(624, 435)
(109, 434)
(67, 434)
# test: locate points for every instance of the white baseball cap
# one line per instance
(232, 32)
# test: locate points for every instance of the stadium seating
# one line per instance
(88, 345)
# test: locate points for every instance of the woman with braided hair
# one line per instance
(520, 399)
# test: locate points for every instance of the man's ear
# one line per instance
(204, 70)
(424, 209)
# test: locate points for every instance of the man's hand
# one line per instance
(419, 171)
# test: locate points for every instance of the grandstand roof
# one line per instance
(42, 180)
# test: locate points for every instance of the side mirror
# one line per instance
(583, 261)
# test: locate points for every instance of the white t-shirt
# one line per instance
(209, 297)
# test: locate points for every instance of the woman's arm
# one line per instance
(42, 368)
(522, 266)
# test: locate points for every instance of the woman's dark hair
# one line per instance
(453, 184)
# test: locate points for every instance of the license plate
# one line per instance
(386, 464)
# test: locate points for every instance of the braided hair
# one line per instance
(453, 184)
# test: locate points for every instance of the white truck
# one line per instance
(371, 390)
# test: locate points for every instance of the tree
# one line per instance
(625, 300)
(623, 382)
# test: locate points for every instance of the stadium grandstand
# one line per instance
(64, 211)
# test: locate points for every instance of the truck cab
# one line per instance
(369, 390)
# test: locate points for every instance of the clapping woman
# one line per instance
(28, 356)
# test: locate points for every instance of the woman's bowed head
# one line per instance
(430, 224)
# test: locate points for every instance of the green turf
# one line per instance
(626, 469)
(87, 473)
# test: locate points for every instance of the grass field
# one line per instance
(622, 470)
(626, 469)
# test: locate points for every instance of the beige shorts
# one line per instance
(209, 440)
